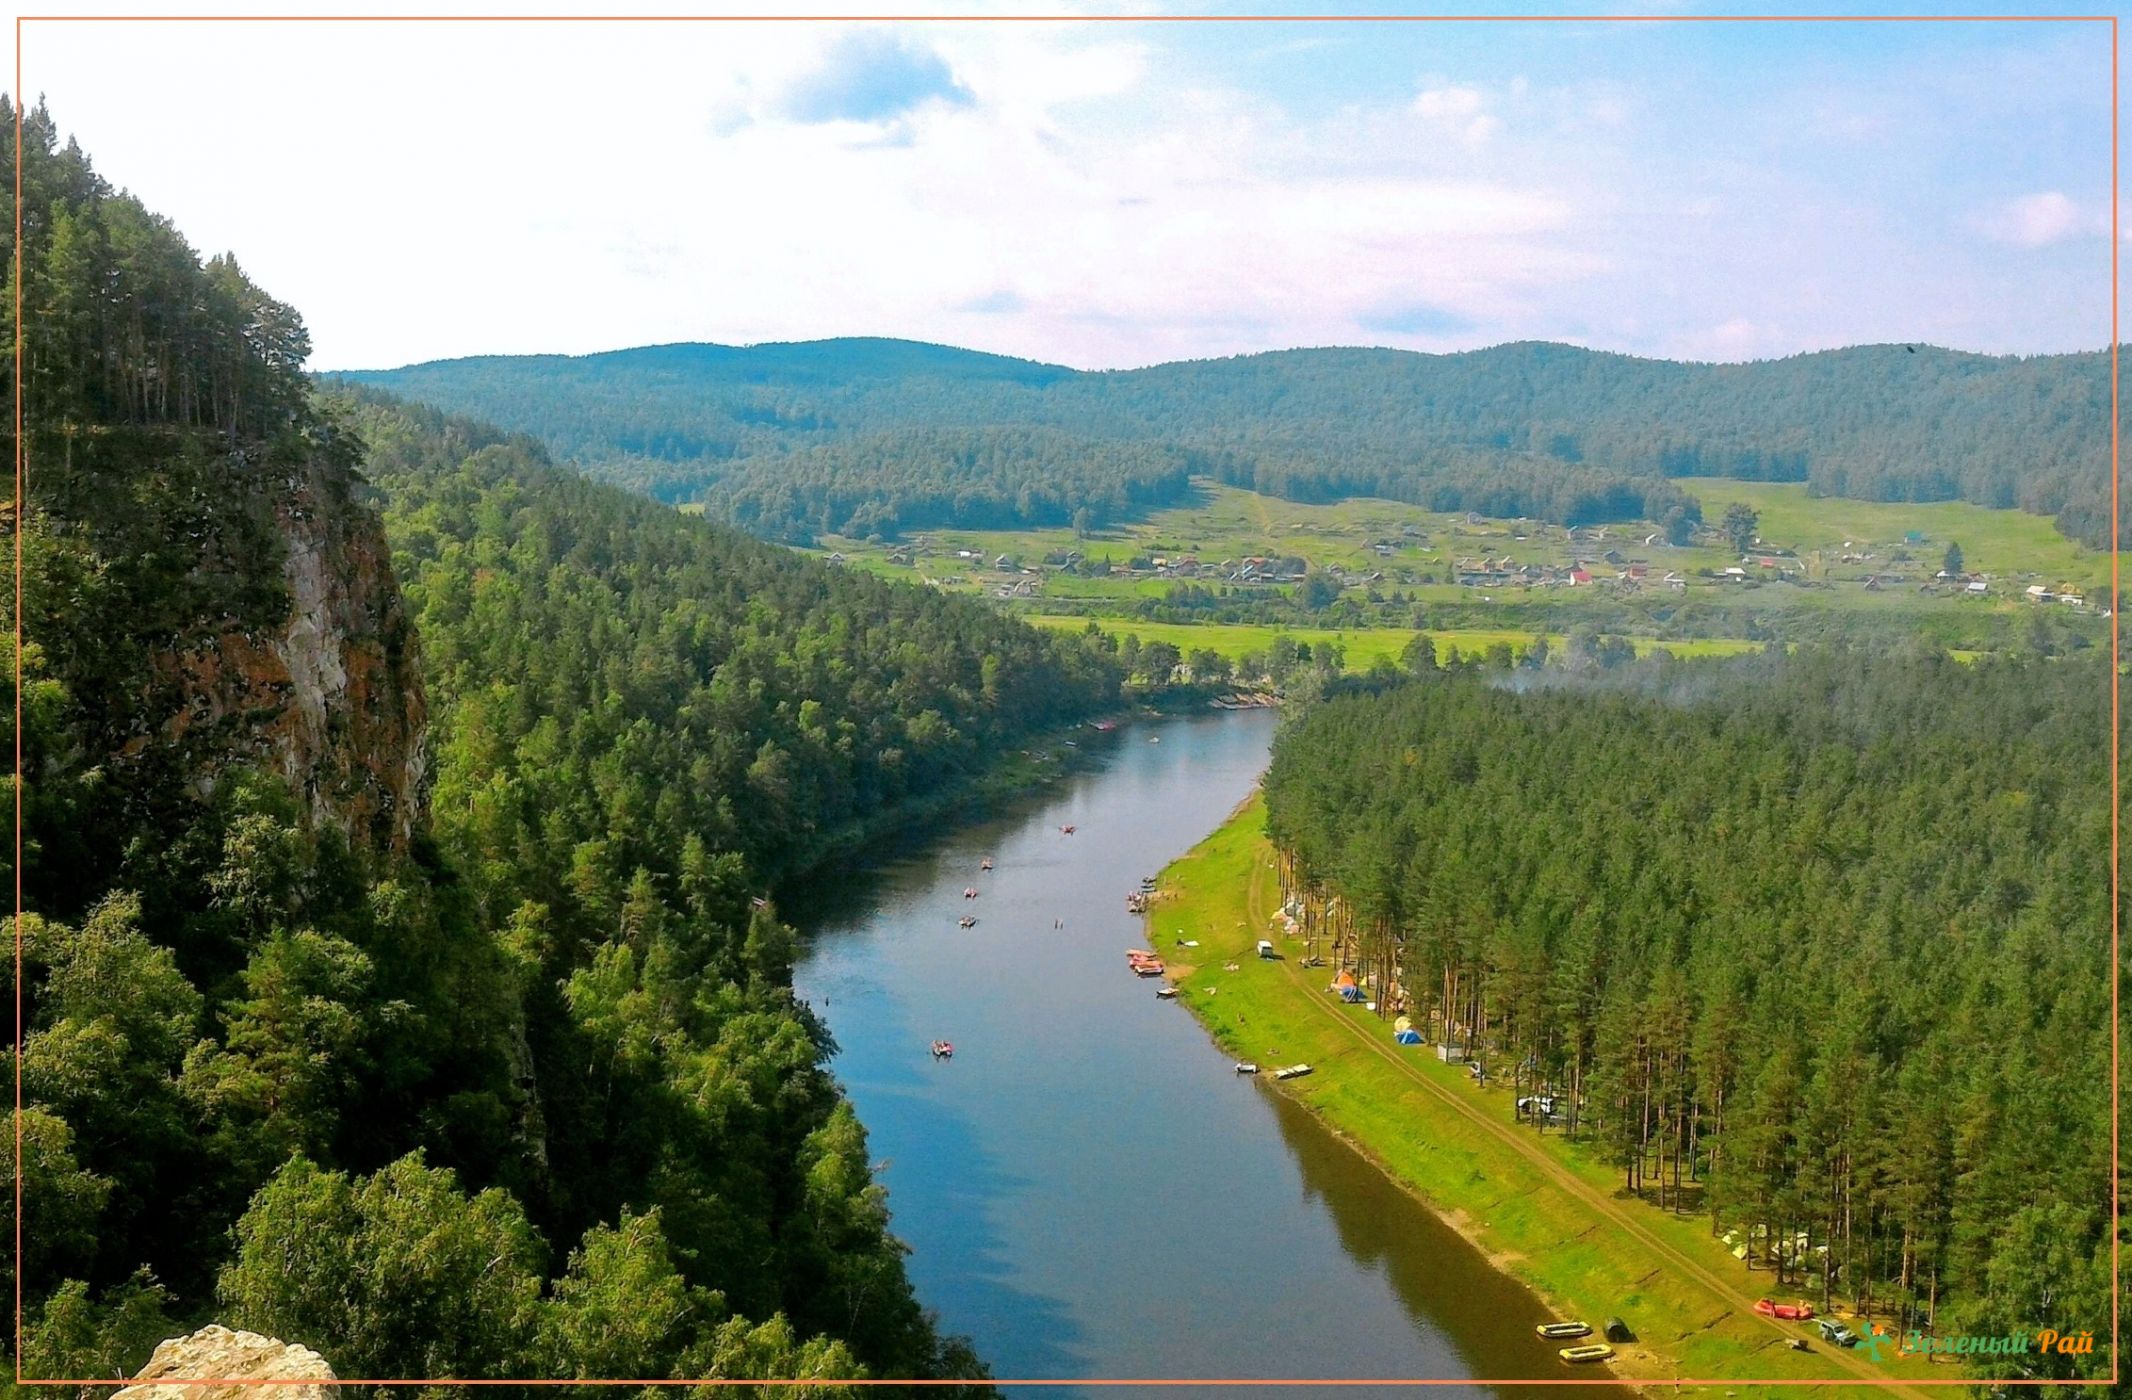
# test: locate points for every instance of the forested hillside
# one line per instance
(507, 1081)
(859, 436)
(1815, 944)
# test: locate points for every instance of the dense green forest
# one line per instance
(1814, 943)
(866, 436)
(519, 1090)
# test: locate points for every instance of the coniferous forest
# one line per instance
(1812, 944)
(860, 437)
(474, 1053)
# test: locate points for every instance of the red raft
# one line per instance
(1788, 1312)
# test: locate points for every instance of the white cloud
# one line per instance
(1737, 338)
(1094, 194)
(1459, 110)
(2039, 220)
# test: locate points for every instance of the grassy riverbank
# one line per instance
(1541, 1208)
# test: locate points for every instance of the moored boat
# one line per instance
(1563, 1331)
(1292, 1072)
(1596, 1351)
(1247, 1067)
(1165, 993)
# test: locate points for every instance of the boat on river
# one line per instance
(985, 864)
(1247, 1067)
(1165, 993)
(967, 921)
(1596, 1351)
(942, 1050)
(1563, 1331)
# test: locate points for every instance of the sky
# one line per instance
(1120, 192)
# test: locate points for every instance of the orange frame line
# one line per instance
(22, 480)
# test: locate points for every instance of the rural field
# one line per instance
(1227, 523)
(1821, 553)
(1361, 647)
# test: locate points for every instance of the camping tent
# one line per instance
(1409, 1036)
(1402, 1023)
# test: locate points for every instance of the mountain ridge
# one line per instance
(864, 436)
(739, 348)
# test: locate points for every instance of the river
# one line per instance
(1088, 1188)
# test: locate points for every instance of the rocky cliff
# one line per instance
(330, 696)
(211, 609)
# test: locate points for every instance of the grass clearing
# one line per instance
(1364, 646)
(2008, 543)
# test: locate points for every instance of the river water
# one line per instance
(1088, 1189)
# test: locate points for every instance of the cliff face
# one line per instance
(329, 695)
(209, 609)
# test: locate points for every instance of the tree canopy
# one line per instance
(1814, 942)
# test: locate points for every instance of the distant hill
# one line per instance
(861, 435)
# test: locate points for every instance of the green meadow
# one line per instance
(1362, 647)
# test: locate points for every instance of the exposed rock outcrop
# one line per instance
(331, 699)
(216, 1353)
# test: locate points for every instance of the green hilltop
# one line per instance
(858, 437)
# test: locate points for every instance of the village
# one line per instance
(1449, 556)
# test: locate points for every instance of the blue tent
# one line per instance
(1409, 1036)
